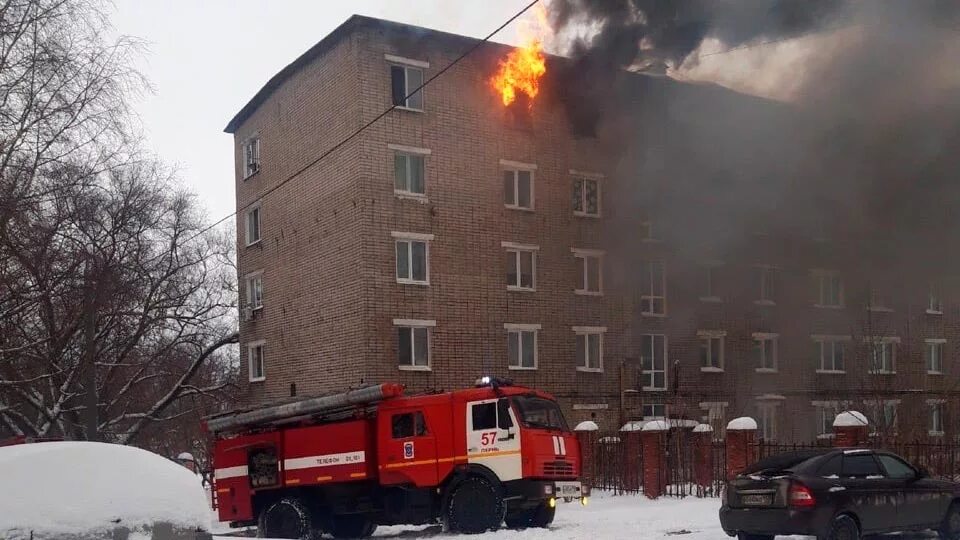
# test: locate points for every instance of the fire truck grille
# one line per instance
(558, 468)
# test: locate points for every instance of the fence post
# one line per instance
(741, 445)
(702, 455)
(587, 436)
(850, 428)
(632, 455)
(654, 440)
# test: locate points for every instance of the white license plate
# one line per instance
(756, 500)
(568, 489)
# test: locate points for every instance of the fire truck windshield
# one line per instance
(536, 412)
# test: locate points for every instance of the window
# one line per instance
(936, 417)
(589, 348)
(878, 301)
(934, 303)
(653, 288)
(711, 351)
(647, 232)
(251, 156)
(522, 345)
(654, 411)
(715, 417)
(255, 290)
(934, 354)
(521, 266)
(255, 361)
(406, 78)
(518, 188)
(484, 416)
(253, 224)
(765, 352)
(408, 425)
(590, 271)
(413, 253)
(408, 173)
(767, 420)
(653, 360)
(413, 343)
(830, 289)
(883, 413)
(765, 280)
(829, 352)
(860, 466)
(710, 293)
(586, 197)
(883, 356)
(895, 468)
(827, 412)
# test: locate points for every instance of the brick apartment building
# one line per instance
(455, 238)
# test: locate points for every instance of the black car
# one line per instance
(837, 494)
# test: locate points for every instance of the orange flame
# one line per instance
(520, 72)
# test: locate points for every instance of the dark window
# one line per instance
(405, 83)
(485, 416)
(896, 468)
(860, 466)
(831, 467)
(409, 425)
(398, 85)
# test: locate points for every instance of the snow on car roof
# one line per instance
(56, 489)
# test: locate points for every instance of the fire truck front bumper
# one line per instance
(536, 491)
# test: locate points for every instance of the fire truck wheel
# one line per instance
(475, 506)
(286, 518)
(351, 526)
(539, 517)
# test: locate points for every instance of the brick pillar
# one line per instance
(703, 455)
(654, 436)
(632, 456)
(587, 436)
(850, 428)
(741, 445)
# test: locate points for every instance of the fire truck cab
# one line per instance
(343, 464)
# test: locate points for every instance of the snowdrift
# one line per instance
(87, 489)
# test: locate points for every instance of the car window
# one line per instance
(831, 467)
(860, 466)
(896, 468)
(485, 416)
(408, 425)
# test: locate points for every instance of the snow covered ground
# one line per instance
(606, 518)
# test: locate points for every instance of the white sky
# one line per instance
(206, 59)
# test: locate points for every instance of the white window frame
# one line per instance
(519, 329)
(515, 167)
(653, 406)
(410, 151)
(649, 375)
(716, 414)
(821, 276)
(766, 274)
(255, 207)
(885, 342)
(878, 408)
(413, 324)
(408, 237)
(710, 268)
(407, 64)
(709, 336)
(759, 338)
(261, 344)
(821, 340)
(768, 408)
(648, 232)
(598, 331)
(929, 344)
(516, 250)
(580, 176)
(936, 416)
(934, 302)
(651, 298)
(249, 282)
(582, 255)
(249, 160)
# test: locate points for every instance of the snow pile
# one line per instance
(656, 425)
(703, 428)
(634, 425)
(850, 419)
(58, 489)
(743, 423)
(587, 426)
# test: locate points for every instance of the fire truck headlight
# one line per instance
(552, 503)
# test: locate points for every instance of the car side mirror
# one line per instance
(503, 414)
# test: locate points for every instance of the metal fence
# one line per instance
(615, 467)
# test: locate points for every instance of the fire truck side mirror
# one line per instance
(503, 414)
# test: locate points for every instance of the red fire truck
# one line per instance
(344, 463)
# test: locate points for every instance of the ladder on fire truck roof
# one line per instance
(285, 412)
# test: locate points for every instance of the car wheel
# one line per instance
(950, 528)
(539, 517)
(842, 528)
(287, 518)
(745, 536)
(475, 506)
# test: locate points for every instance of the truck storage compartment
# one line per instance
(339, 452)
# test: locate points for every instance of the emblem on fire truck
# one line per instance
(408, 450)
